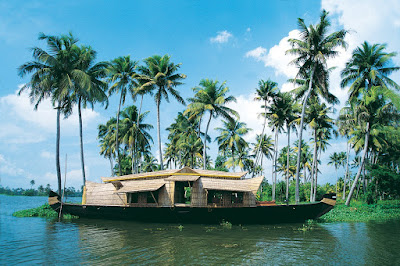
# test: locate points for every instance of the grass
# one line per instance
(362, 212)
(44, 211)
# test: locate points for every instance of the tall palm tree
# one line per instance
(212, 97)
(345, 123)
(367, 71)
(318, 119)
(231, 138)
(135, 135)
(160, 74)
(276, 116)
(123, 74)
(265, 145)
(266, 91)
(336, 159)
(89, 86)
(313, 49)
(106, 136)
(52, 78)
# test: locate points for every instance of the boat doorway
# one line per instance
(183, 193)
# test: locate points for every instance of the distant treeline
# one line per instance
(40, 191)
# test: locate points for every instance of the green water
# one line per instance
(85, 241)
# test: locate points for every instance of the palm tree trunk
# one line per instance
(132, 153)
(111, 165)
(336, 179)
(313, 165)
(261, 136)
(81, 140)
(360, 166)
(347, 171)
(117, 137)
(274, 166)
(288, 164)
(138, 129)
(297, 195)
(58, 168)
(233, 161)
(159, 135)
(205, 143)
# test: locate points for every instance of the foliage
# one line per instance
(44, 211)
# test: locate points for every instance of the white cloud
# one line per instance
(47, 155)
(248, 29)
(29, 126)
(9, 168)
(276, 56)
(222, 37)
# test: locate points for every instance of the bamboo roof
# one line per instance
(186, 171)
(141, 186)
(243, 185)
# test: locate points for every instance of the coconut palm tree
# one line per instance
(336, 159)
(312, 50)
(212, 97)
(161, 77)
(367, 71)
(266, 91)
(135, 135)
(231, 138)
(123, 75)
(106, 136)
(276, 115)
(89, 86)
(52, 76)
(265, 145)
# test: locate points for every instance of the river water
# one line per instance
(86, 241)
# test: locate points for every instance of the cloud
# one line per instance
(19, 116)
(9, 168)
(222, 37)
(47, 155)
(276, 56)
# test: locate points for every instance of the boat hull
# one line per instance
(204, 215)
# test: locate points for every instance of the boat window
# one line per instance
(150, 197)
(183, 192)
(214, 197)
(237, 197)
(133, 197)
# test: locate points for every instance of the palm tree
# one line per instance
(135, 135)
(337, 160)
(212, 97)
(345, 123)
(106, 138)
(318, 120)
(160, 75)
(369, 66)
(265, 145)
(276, 115)
(52, 78)
(313, 49)
(88, 86)
(266, 91)
(231, 138)
(123, 74)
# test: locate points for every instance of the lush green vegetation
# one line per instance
(68, 74)
(44, 211)
(360, 211)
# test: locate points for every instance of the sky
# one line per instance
(240, 42)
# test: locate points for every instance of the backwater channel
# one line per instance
(89, 241)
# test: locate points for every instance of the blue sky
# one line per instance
(237, 41)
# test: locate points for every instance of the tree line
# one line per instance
(69, 75)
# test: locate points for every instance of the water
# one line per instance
(85, 241)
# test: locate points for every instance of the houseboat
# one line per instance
(186, 196)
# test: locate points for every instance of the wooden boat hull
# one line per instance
(203, 215)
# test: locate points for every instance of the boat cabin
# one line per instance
(169, 188)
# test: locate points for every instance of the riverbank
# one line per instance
(362, 212)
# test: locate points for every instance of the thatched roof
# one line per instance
(141, 186)
(183, 178)
(186, 171)
(243, 185)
